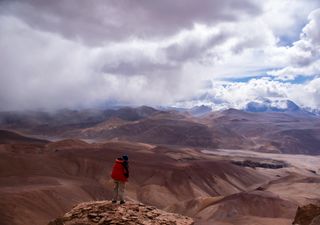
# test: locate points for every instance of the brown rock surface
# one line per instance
(307, 215)
(104, 212)
(316, 220)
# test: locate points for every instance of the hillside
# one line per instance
(56, 178)
(9, 137)
(43, 182)
(275, 132)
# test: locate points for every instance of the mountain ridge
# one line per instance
(293, 132)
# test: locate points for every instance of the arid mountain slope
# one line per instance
(282, 132)
(41, 182)
(44, 182)
(56, 123)
(267, 132)
(9, 137)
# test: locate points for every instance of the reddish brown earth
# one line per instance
(40, 183)
(181, 167)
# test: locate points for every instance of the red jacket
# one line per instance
(120, 170)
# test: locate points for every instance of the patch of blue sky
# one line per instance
(254, 74)
(300, 79)
(288, 38)
(243, 79)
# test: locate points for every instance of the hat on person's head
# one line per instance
(125, 157)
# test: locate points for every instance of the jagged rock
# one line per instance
(130, 213)
(307, 215)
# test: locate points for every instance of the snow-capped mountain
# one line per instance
(277, 105)
(202, 107)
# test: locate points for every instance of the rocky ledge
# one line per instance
(130, 213)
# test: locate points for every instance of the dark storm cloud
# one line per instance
(101, 20)
(166, 56)
(137, 68)
(193, 48)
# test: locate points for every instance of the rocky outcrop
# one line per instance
(267, 165)
(130, 213)
(307, 215)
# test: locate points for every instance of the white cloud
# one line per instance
(224, 95)
(304, 56)
(308, 94)
(286, 17)
(64, 57)
(52, 72)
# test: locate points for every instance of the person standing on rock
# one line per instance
(120, 175)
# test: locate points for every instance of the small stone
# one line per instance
(150, 215)
(92, 215)
(96, 219)
(68, 214)
(124, 218)
(101, 221)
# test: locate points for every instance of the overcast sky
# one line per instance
(89, 53)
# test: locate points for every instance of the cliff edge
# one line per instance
(105, 213)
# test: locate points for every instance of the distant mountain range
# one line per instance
(258, 105)
(282, 128)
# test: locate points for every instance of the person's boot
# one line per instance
(122, 202)
(114, 201)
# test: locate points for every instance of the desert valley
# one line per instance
(223, 168)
